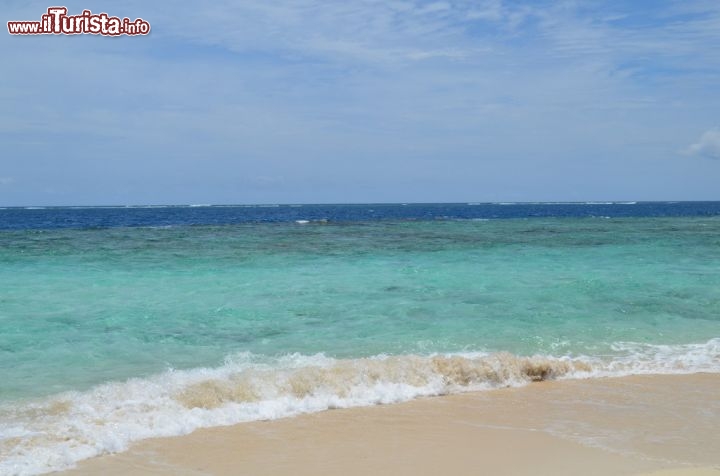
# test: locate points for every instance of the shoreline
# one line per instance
(622, 425)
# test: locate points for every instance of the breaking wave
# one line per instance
(56, 432)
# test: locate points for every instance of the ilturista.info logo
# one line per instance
(57, 22)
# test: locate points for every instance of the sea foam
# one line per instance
(56, 432)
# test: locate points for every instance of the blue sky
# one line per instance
(295, 101)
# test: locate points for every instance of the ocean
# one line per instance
(124, 323)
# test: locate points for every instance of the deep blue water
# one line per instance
(104, 217)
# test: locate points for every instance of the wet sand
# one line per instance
(659, 425)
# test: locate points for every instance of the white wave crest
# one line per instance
(57, 432)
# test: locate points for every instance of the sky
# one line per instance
(343, 101)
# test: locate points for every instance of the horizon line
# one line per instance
(286, 204)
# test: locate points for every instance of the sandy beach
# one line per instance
(660, 425)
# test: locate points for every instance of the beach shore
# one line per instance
(660, 425)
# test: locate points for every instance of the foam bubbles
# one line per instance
(56, 432)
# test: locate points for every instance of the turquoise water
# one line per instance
(80, 307)
(83, 310)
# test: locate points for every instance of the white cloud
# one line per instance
(370, 32)
(6, 180)
(708, 145)
(435, 7)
